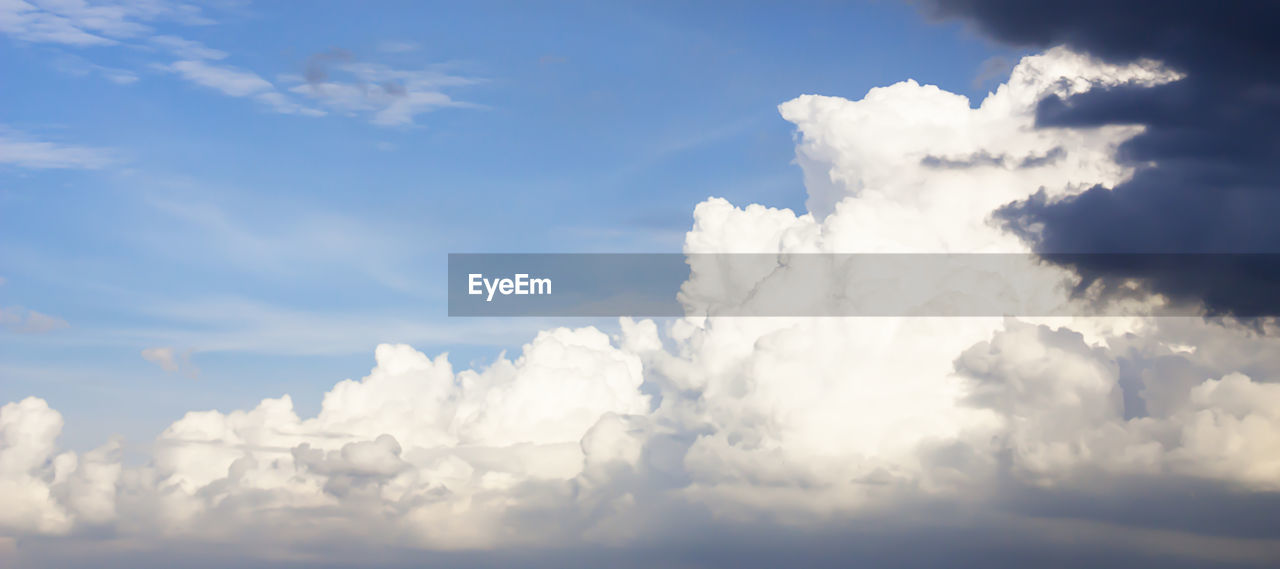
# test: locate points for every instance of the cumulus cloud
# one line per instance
(995, 437)
(45, 491)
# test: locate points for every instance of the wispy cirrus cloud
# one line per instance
(334, 80)
(235, 82)
(89, 23)
(20, 149)
(78, 66)
(229, 80)
(26, 321)
(187, 49)
(388, 96)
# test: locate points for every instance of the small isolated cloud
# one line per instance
(19, 149)
(170, 360)
(162, 357)
(24, 321)
(388, 95)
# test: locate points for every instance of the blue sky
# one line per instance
(189, 206)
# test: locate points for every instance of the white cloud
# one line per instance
(19, 149)
(171, 360)
(26, 321)
(284, 105)
(389, 96)
(229, 80)
(88, 22)
(236, 82)
(785, 422)
(162, 357)
(187, 49)
(79, 66)
(45, 491)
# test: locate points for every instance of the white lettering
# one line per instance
(522, 284)
(540, 286)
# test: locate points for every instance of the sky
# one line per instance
(170, 209)
(224, 230)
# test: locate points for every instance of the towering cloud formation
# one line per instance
(1205, 179)
(858, 431)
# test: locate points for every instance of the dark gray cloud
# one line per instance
(1041, 529)
(1206, 179)
(974, 160)
(317, 69)
(984, 158)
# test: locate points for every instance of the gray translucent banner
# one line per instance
(675, 285)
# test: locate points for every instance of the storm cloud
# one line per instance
(1205, 179)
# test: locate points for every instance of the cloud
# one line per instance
(21, 150)
(81, 23)
(337, 81)
(724, 441)
(46, 491)
(236, 82)
(229, 80)
(187, 49)
(1205, 179)
(171, 361)
(162, 357)
(995, 67)
(26, 321)
(983, 158)
(389, 96)
(79, 66)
